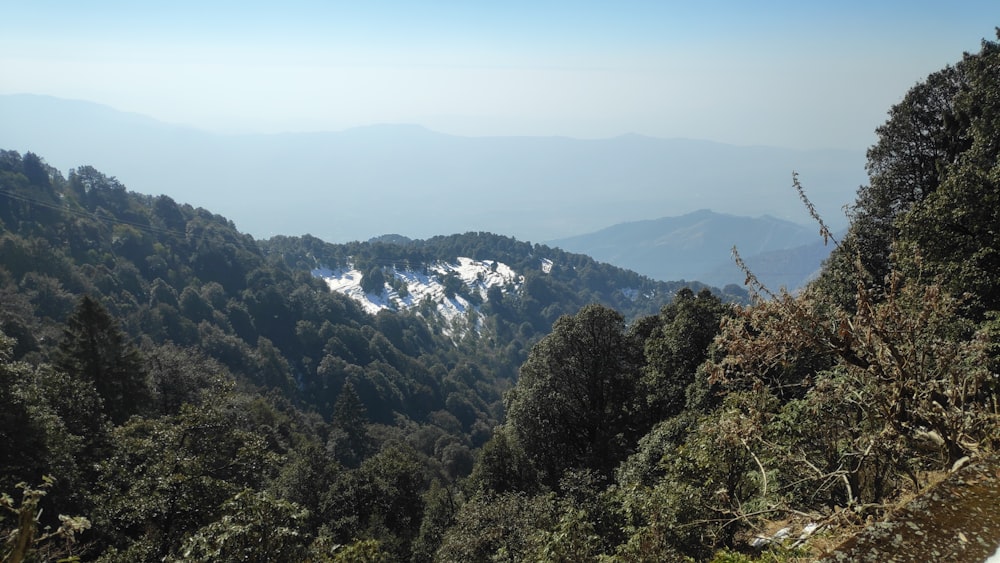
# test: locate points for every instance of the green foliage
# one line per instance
(48, 422)
(382, 500)
(572, 539)
(498, 528)
(712, 485)
(24, 541)
(167, 477)
(307, 472)
(181, 376)
(362, 551)
(373, 281)
(441, 507)
(95, 350)
(575, 401)
(773, 554)
(676, 343)
(351, 419)
(392, 502)
(253, 527)
(928, 205)
(643, 467)
(503, 466)
(951, 234)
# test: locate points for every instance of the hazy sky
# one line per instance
(795, 74)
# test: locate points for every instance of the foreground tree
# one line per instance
(920, 167)
(168, 477)
(254, 526)
(952, 234)
(22, 540)
(576, 400)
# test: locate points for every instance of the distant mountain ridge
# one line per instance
(698, 246)
(358, 183)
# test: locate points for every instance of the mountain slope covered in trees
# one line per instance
(198, 395)
(156, 315)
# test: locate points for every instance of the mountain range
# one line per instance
(699, 246)
(364, 182)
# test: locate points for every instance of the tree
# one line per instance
(50, 424)
(382, 500)
(254, 526)
(926, 136)
(180, 376)
(498, 528)
(502, 465)
(373, 281)
(440, 507)
(574, 403)
(952, 233)
(168, 477)
(35, 170)
(20, 433)
(350, 418)
(905, 165)
(676, 345)
(96, 350)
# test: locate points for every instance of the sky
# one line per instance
(797, 74)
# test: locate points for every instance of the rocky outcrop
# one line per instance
(957, 520)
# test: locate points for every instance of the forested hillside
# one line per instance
(128, 318)
(545, 283)
(174, 390)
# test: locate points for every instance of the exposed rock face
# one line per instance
(957, 520)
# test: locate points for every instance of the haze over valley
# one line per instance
(555, 122)
(406, 179)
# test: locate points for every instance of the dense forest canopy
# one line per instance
(171, 389)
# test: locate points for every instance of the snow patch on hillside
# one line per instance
(426, 288)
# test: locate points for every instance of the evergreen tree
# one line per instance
(95, 349)
(373, 281)
(351, 418)
(503, 466)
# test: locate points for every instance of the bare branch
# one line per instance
(824, 231)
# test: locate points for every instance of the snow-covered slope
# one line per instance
(409, 289)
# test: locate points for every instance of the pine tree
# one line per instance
(351, 418)
(96, 350)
